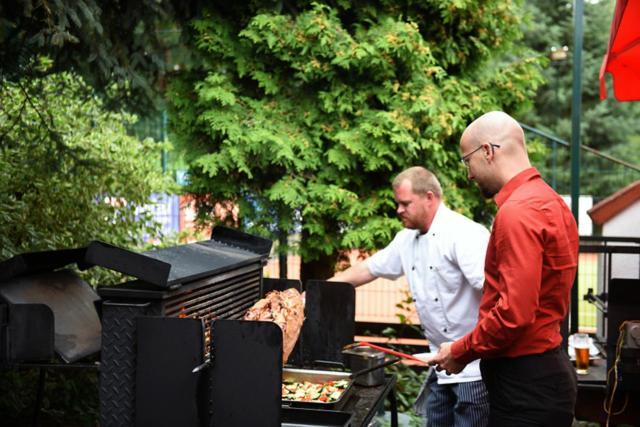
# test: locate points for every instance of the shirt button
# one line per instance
(413, 267)
(430, 267)
(435, 299)
(445, 329)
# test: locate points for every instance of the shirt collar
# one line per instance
(515, 182)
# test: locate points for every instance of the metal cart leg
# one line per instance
(394, 408)
(39, 396)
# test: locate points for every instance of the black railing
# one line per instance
(616, 256)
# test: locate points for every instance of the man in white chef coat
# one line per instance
(442, 254)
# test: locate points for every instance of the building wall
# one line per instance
(585, 225)
(625, 224)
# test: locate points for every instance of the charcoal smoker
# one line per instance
(32, 295)
(173, 350)
(157, 329)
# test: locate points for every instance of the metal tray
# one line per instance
(313, 376)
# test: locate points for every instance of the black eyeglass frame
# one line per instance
(465, 159)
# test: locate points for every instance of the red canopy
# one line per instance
(623, 54)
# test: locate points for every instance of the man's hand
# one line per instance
(444, 360)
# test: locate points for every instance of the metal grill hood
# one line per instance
(170, 267)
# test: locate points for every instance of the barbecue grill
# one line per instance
(173, 348)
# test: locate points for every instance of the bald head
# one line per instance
(500, 142)
(497, 127)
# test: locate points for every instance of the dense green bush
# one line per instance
(69, 172)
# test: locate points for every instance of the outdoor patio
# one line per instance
(166, 165)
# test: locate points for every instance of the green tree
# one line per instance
(609, 125)
(129, 44)
(302, 112)
(69, 172)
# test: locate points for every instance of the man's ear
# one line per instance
(488, 151)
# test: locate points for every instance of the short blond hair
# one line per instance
(422, 181)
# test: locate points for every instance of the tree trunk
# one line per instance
(319, 269)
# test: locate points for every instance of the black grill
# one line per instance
(216, 279)
(174, 350)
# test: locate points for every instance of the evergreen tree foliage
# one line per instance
(303, 112)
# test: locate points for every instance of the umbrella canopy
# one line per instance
(623, 53)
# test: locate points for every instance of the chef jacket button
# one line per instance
(413, 267)
(435, 299)
(433, 234)
(445, 329)
(431, 267)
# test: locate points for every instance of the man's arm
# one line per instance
(357, 275)
(385, 263)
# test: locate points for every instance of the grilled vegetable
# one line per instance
(327, 392)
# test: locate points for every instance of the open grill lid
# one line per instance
(71, 300)
(171, 267)
(43, 261)
(28, 285)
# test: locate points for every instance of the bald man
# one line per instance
(530, 266)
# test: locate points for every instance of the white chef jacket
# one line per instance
(445, 271)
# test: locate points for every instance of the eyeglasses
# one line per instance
(465, 159)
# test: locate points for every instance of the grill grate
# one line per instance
(220, 297)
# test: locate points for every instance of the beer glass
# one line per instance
(581, 347)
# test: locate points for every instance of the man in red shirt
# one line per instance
(530, 266)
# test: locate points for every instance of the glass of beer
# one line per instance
(581, 347)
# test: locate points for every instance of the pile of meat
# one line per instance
(286, 309)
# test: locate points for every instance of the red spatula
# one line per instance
(386, 350)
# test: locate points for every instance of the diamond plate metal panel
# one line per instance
(118, 363)
(225, 296)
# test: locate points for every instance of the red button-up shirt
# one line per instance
(531, 262)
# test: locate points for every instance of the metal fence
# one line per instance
(609, 258)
